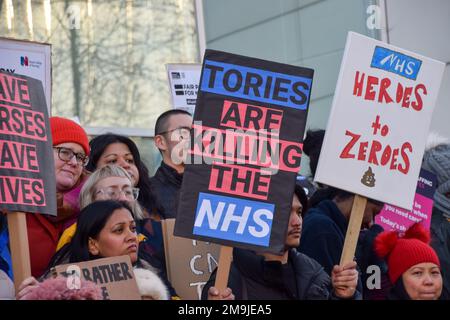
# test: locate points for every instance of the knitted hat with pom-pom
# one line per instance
(404, 252)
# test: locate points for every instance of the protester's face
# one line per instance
(423, 281)
(67, 172)
(295, 224)
(119, 154)
(114, 188)
(117, 238)
(177, 137)
(372, 209)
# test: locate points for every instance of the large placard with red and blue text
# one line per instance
(246, 147)
(379, 121)
(27, 174)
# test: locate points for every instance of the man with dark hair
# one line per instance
(171, 134)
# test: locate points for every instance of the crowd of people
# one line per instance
(108, 205)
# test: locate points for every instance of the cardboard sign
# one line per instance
(27, 177)
(184, 80)
(378, 126)
(114, 276)
(394, 218)
(32, 59)
(189, 263)
(246, 147)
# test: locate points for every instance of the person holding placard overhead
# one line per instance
(70, 152)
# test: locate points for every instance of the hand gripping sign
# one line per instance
(246, 147)
(378, 124)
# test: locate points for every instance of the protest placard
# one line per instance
(27, 178)
(246, 147)
(189, 263)
(29, 58)
(379, 121)
(184, 79)
(377, 129)
(395, 218)
(113, 275)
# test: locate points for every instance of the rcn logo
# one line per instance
(24, 61)
(396, 62)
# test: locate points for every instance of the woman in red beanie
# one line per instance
(70, 152)
(414, 268)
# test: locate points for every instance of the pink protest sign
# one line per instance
(395, 218)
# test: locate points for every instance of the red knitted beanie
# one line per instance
(405, 252)
(65, 130)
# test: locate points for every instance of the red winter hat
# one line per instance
(65, 130)
(405, 252)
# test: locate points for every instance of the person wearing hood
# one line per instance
(413, 266)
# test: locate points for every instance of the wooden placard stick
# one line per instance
(20, 252)
(223, 268)
(353, 229)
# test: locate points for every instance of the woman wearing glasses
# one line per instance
(70, 151)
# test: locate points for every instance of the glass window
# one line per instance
(108, 57)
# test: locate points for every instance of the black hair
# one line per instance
(98, 146)
(91, 221)
(163, 119)
(312, 146)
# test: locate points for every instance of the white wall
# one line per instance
(424, 27)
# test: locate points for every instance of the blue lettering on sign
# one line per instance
(233, 219)
(396, 62)
(255, 84)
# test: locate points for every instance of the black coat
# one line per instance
(253, 278)
(165, 186)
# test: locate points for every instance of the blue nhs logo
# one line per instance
(395, 62)
(234, 219)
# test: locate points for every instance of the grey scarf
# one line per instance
(441, 201)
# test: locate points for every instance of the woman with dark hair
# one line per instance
(104, 229)
(113, 149)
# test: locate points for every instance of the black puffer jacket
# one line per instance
(253, 278)
(164, 186)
